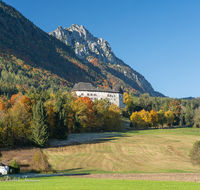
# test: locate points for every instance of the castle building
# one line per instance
(114, 95)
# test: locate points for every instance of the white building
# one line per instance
(4, 169)
(114, 95)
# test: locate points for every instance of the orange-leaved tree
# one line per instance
(84, 111)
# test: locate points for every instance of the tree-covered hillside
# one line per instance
(28, 53)
(31, 57)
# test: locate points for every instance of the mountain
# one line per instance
(31, 57)
(188, 98)
(92, 49)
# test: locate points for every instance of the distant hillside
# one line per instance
(188, 98)
(31, 57)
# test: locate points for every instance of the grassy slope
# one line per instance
(136, 151)
(83, 184)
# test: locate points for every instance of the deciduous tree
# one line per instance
(195, 153)
(153, 118)
(169, 117)
(161, 118)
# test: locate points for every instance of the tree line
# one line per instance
(147, 112)
(33, 118)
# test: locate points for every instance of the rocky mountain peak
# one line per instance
(88, 47)
(85, 44)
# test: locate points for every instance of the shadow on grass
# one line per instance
(96, 140)
(69, 172)
(77, 171)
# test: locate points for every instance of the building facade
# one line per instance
(4, 168)
(114, 95)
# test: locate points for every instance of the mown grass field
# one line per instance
(97, 184)
(157, 151)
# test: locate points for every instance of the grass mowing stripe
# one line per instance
(54, 183)
(143, 151)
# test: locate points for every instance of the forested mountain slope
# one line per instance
(31, 57)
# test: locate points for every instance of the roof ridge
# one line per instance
(84, 86)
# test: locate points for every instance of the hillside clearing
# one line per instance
(144, 151)
(157, 151)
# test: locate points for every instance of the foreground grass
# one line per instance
(157, 151)
(97, 184)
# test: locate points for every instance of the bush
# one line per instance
(195, 153)
(40, 162)
(0, 155)
(15, 167)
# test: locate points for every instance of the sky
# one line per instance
(160, 39)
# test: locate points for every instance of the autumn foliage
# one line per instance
(63, 113)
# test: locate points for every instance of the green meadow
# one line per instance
(142, 151)
(97, 184)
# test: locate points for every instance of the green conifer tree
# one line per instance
(61, 120)
(40, 133)
(77, 125)
(166, 104)
(189, 115)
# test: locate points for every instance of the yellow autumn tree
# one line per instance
(51, 112)
(126, 98)
(153, 118)
(161, 118)
(113, 118)
(129, 102)
(169, 117)
(144, 122)
(20, 117)
(135, 118)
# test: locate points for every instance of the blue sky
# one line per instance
(158, 38)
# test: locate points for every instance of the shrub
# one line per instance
(39, 162)
(195, 153)
(15, 167)
(0, 155)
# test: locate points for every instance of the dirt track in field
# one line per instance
(187, 177)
